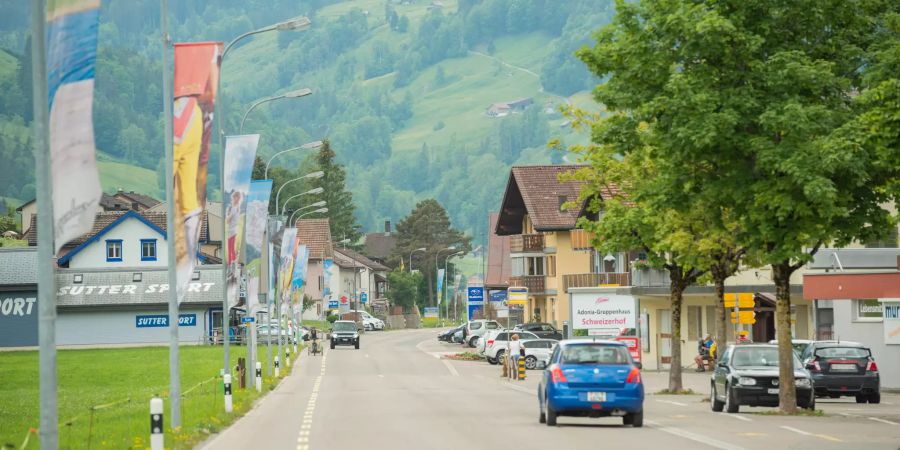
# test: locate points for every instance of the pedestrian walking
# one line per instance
(515, 350)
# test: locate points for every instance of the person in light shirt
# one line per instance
(515, 348)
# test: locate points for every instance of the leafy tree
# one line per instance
(339, 200)
(404, 288)
(427, 226)
(744, 107)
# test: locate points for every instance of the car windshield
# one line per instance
(595, 354)
(842, 352)
(758, 357)
(344, 326)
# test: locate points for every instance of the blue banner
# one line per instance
(498, 296)
(162, 320)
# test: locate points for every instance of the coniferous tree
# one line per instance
(339, 200)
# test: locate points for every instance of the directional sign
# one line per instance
(332, 304)
(517, 295)
(744, 300)
(364, 297)
(476, 294)
(248, 319)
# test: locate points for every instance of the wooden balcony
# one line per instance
(535, 283)
(596, 279)
(581, 239)
(526, 243)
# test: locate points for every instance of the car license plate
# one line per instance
(596, 396)
(773, 390)
(844, 367)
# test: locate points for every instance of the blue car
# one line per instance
(591, 378)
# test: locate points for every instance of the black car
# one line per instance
(542, 329)
(345, 332)
(447, 336)
(747, 374)
(843, 369)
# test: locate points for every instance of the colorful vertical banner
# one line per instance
(326, 279)
(285, 269)
(71, 57)
(240, 151)
(257, 216)
(440, 286)
(195, 82)
(301, 259)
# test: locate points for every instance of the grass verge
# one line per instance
(464, 356)
(104, 396)
(681, 392)
(799, 412)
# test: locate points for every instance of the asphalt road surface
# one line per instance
(395, 392)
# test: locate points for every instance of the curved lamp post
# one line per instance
(292, 94)
(320, 210)
(318, 174)
(446, 260)
(314, 205)
(313, 191)
(410, 256)
(306, 146)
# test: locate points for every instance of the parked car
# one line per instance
(842, 368)
(447, 336)
(495, 347)
(476, 328)
(542, 329)
(591, 378)
(799, 345)
(458, 335)
(537, 352)
(344, 332)
(747, 374)
(263, 331)
(370, 322)
(481, 343)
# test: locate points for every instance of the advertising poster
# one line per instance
(285, 268)
(603, 312)
(257, 215)
(892, 322)
(239, 154)
(301, 258)
(71, 56)
(196, 77)
(326, 275)
(440, 286)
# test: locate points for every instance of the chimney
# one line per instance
(135, 206)
(387, 227)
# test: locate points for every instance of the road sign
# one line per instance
(364, 297)
(248, 319)
(746, 317)
(332, 304)
(476, 294)
(517, 296)
(431, 312)
(744, 300)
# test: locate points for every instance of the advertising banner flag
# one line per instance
(301, 259)
(440, 286)
(257, 215)
(71, 57)
(326, 278)
(286, 268)
(240, 151)
(196, 77)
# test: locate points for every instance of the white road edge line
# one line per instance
(883, 421)
(672, 403)
(735, 416)
(703, 439)
(796, 430)
(450, 368)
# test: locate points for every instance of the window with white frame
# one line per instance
(114, 250)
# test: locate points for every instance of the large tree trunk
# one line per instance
(676, 292)
(719, 277)
(787, 395)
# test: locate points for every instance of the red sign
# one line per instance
(634, 346)
(344, 300)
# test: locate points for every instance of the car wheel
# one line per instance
(731, 405)
(332, 345)
(473, 341)
(634, 419)
(492, 361)
(860, 398)
(551, 414)
(356, 344)
(875, 398)
(499, 356)
(530, 362)
(714, 403)
(811, 405)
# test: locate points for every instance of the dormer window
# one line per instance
(562, 201)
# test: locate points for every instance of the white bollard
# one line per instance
(227, 380)
(287, 356)
(156, 424)
(295, 349)
(258, 376)
(277, 369)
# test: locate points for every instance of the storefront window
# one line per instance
(868, 310)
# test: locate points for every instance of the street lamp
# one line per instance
(320, 210)
(410, 257)
(452, 247)
(314, 205)
(306, 146)
(313, 175)
(292, 94)
(446, 260)
(313, 191)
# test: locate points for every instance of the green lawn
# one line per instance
(125, 379)
(116, 175)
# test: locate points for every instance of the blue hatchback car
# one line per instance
(591, 378)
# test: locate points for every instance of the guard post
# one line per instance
(258, 376)
(227, 382)
(521, 369)
(156, 424)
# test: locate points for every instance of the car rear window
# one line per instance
(493, 325)
(595, 354)
(842, 352)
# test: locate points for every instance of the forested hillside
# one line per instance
(401, 88)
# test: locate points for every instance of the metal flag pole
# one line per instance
(174, 374)
(46, 260)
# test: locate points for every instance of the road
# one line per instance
(397, 393)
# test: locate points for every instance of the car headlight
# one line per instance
(747, 381)
(802, 382)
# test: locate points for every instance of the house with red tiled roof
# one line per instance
(548, 253)
(315, 234)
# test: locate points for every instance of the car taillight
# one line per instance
(490, 342)
(634, 376)
(556, 374)
(872, 367)
(814, 366)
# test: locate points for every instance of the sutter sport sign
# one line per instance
(119, 289)
(18, 319)
(603, 311)
(162, 320)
